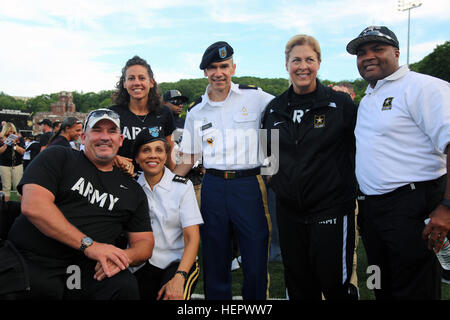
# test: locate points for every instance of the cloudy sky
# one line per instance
(50, 46)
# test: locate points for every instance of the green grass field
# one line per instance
(278, 290)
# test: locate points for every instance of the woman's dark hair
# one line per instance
(67, 123)
(121, 96)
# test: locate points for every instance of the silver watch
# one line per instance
(86, 242)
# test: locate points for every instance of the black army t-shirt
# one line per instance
(100, 204)
(131, 125)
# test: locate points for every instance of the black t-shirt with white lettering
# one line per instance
(100, 204)
(131, 125)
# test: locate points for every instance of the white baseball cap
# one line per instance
(100, 114)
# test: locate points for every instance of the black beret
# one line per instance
(218, 51)
(148, 135)
(373, 34)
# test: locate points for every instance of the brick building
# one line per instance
(59, 110)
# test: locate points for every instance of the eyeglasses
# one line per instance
(176, 102)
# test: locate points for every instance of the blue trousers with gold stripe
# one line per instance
(241, 202)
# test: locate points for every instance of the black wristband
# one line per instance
(183, 273)
(446, 202)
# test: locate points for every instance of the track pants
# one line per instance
(317, 257)
(391, 233)
(241, 203)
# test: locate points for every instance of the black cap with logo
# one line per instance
(174, 94)
(373, 34)
(46, 121)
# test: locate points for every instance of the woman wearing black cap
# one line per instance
(138, 103)
(315, 185)
(172, 271)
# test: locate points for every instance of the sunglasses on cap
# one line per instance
(376, 33)
(176, 102)
(102, 113)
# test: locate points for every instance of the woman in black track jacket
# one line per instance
(315, 183)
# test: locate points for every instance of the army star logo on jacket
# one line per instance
(387, 104)
(319, 121)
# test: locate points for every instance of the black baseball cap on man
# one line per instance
(46, 121)
(217, 52)
(373, 34)
(148, 135)
(174, 95)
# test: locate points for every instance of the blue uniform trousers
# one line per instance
(241, 202)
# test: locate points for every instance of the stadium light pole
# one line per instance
(402, 6)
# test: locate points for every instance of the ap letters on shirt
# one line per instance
(131, 133)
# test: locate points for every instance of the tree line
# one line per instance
(436, 64)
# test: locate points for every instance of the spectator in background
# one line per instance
(70, 130)
(11, 153)
(137, 101)
(32, 148)
(175, 101)
(56, 125)
(46, 127)
(346, 87)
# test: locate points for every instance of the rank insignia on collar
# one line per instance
(180, 179)
(387, 104)
(319, 121)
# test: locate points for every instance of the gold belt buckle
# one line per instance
(230, 175)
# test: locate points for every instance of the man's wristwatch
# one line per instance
(446, 202)
(183, 273)
(86, 242)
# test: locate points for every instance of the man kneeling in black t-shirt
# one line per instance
(75, 205)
